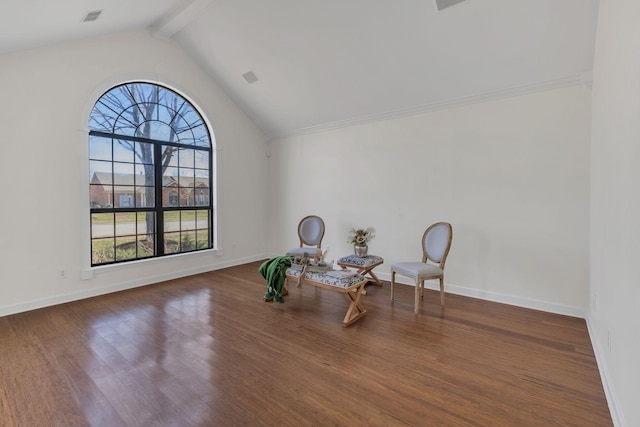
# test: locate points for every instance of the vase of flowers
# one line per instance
(359, 238)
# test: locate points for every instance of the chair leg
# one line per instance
(393, 282)
(442, 291)
(421, 288)
(417, 303)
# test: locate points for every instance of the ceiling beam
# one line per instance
(443, 4)
(178, 18)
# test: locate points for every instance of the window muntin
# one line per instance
(150, 160)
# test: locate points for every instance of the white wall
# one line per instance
(615, 205)
(512, 176)
(47, 95)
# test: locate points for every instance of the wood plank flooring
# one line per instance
(207, 351)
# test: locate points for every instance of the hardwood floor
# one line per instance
(206, 350)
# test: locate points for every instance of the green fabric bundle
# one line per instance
(275, 273)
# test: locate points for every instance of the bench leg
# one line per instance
(375, 278)
(355, 310)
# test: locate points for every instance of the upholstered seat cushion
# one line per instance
(416, 269)
(345, 282)
(360, 261)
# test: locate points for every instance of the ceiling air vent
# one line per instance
(91, 16)
(250, 77)
(443, 4)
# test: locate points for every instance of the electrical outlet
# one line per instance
(62, 274)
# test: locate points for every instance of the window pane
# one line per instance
(159, 131)
(202, 178)
(172, 221)
(190, 115)
(202, 159)
(102, 225)
(143, 91)
(99, 148)
(144, 153)
(102, 251)
(123, 174)
(125, 223)
(116, 100)
(202, 196)
(169, 156)
(186, 178)
(171, 243)
(170, 99)
(202, 239)
(165, 114)
(188, 220)
(201, 136)
(128, 122)
(123, 197)
(144, 175)
(146, 223)
(202, 219)
(100, 171)
(183, 129)
(146, 246)
(145, 197)
(99, 196)
(188, 241)
(187, 197)
(171, 198)
(186, 158)
(126, 248)
(123, 151)
(202, 232)
(170, 175)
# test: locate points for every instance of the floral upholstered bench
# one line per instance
(351, 285)
(363, 265)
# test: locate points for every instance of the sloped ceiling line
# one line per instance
(178, 18)
(575, 80)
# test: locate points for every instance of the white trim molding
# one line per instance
(534, 304)
(617, 416)
(116, 287)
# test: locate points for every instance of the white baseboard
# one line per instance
(89, 293)
(614, 408)
(533, 304)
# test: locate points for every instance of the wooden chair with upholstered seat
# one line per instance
(310, 233)
(436, 242)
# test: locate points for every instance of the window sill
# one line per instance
(89, 272)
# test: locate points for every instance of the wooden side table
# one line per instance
(363, 266)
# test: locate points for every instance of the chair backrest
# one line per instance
(436, 243)
(311, 231)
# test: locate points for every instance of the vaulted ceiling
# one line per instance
(300, 65)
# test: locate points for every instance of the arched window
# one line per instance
(149, 149)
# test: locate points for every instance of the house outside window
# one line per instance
(149, 149)
(126, 201)
(174, 198)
